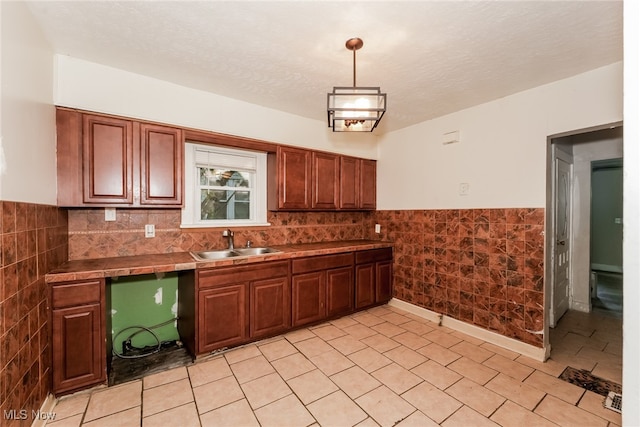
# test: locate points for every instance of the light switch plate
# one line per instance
(149, 230)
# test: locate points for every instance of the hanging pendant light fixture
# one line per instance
(355, 109)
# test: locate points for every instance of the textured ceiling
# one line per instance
(430, 57)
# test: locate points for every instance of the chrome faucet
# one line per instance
(229, 235)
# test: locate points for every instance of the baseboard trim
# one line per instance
(580, 306)
(45, 412)
(537, 353)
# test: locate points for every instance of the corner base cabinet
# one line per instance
(374, 277)
(78, 335)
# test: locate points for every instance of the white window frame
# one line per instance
(258, 194)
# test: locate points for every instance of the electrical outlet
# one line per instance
(377, 228)
(463, 190)
(109, 214)
(149, 230)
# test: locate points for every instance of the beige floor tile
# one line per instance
(475, 396)
(564, 414)
(440, 354)
(465, 417)
(574, 361)
(506, 366)
(388, 329)
(359, 331)
(411, 340)
(299, 335)
(292, 366)
(385, 407)
(166, 396)
(284, 412)
(312, 386)
(468, 338)
(380, 343)
(232, 415)
(369, 422)
(369, 359)
(336, 409)
(347, 344)
(164, 377)
(251, 369)
(397, 378)
(328, 332)
(511, 355)
(473, 370)
(277, 349)
(594, 403)
(418, 327)
(471, 351)
(516, 391)
(609, 371)
(444, 339)
(69, 406)
(265, 390)
(513, 415)
(380, 310)
(208, 371)
(216, 394)
(433, 402)
(550, 367)
(405, 357)
(369, 319)
(343, 322)
(556, 387)
(72, 421)
(113, 400)
(614, 347)
(185, 416)
(313, 347)
(395, 318)
(355, 381)
(417, 419)
(242, 353)
(436, 374)
(331, 362)
(128, 418)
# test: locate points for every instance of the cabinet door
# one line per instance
(326, 178)
(294, 178)
(339, 291)
(384, 281)
(270, 303)
(367, 184)
(222, 319)
(78, 347)
(308, 298)
(349, 182)
(365, 285)
(107, 160)
(161, 165)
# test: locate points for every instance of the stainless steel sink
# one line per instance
(231, 253)
(255, 251)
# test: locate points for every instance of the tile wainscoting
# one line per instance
(481, 266)
(34, 241)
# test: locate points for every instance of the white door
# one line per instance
(561, 254)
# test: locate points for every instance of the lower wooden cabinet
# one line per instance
(223, 317)
(374, 277)
(78, 335)
(270, 303)
(321, 287)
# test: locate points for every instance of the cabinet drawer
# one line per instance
(374, 255)
(211, 277)
(78, 293)
(324, 262)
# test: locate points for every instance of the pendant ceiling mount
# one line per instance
(355, 109)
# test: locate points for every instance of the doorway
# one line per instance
(580, 149)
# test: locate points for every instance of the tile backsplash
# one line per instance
(34, 241)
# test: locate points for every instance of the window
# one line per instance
(224, 187)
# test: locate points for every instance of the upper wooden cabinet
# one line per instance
(303, 180)
(109, 161)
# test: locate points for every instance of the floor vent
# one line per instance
(588, 381)
(613, 401)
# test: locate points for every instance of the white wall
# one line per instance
(631, 194)
(502, 148)
(94, 87)
(27, 119)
